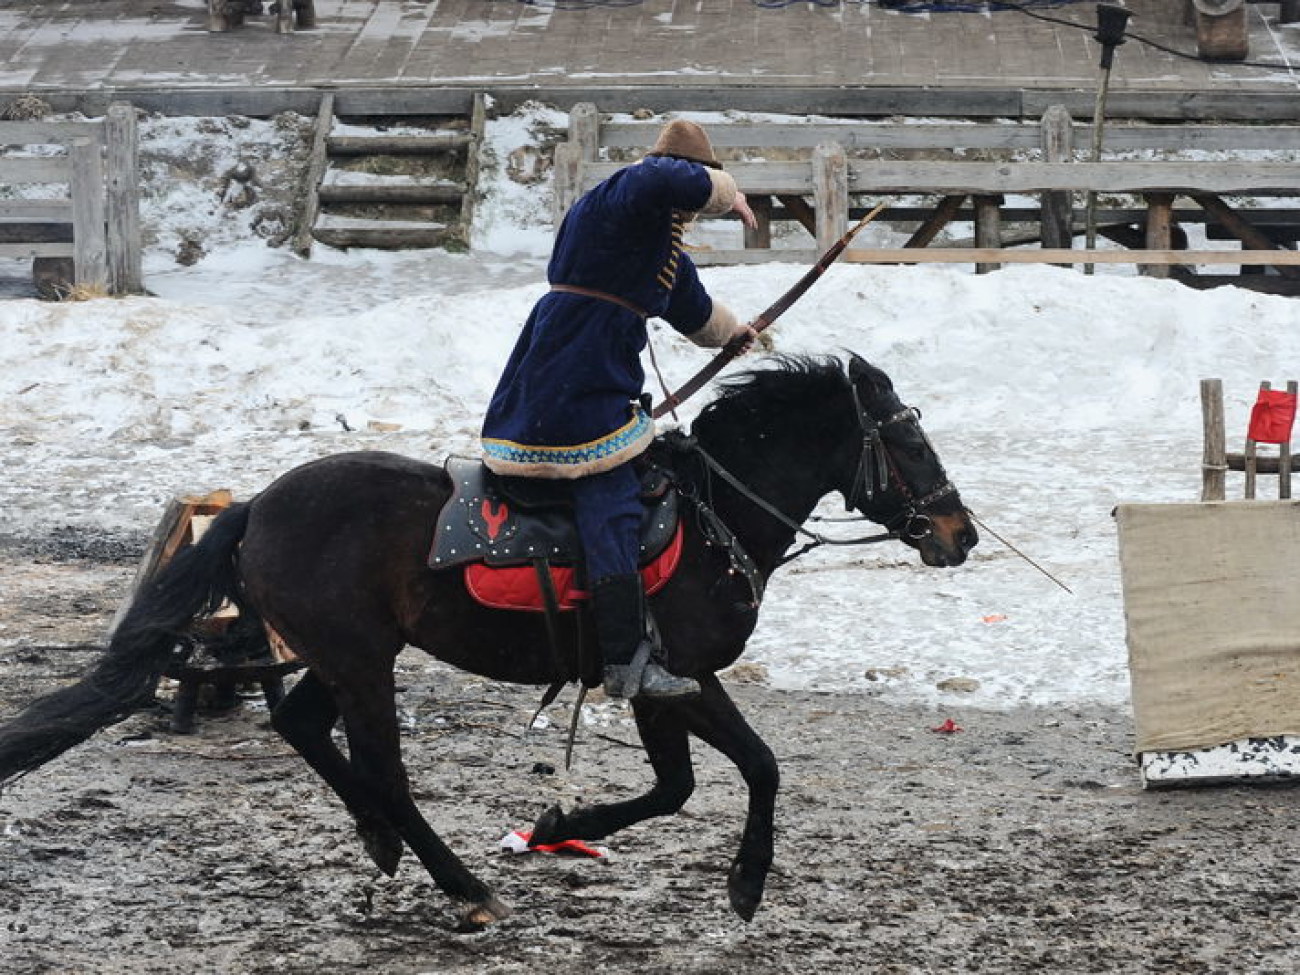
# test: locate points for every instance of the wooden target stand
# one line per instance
(208, 666)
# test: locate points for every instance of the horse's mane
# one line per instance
(776, 390)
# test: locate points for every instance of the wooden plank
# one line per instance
(851, 135)
(1214, 458)
(122, 201)
(715, 258)
(90, 245)
(390, 191)
(28, 211)
(888, 176)
(265, 101)
(971, 255)
(36, 250)
(317, 160)
(396, 145)
(776, 178)
(36, 169)
(46, 133)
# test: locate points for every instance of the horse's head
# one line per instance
(897, 479)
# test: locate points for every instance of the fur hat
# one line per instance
(685, 140)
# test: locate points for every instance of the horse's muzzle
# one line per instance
(949, 539)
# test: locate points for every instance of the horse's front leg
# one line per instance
(662, 725)
(719, 722)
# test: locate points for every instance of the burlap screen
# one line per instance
(1212, 604)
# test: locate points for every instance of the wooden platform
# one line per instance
(725, 54)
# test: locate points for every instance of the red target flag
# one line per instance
(1272, 417)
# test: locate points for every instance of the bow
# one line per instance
(734, 348)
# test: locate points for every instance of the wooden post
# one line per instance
(1056, 220)
(760, 236)
(477, 125)
(1252, 456)
(1221, 30)
(584, 130)
(316, 162)
(217, 19)
(90, 251)
(305, 11)
(988, 228)
(284, 17)
(125, 275)
(830, 193)
(1214, 459)
(568, 178)
(1284, 458)
(1159, 232)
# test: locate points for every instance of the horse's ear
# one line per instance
(861, 369)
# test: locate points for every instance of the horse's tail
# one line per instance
(125, 678)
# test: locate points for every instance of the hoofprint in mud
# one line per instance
(1020, 842)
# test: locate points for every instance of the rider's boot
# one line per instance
(629, 643)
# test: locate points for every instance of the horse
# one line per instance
(332, 557)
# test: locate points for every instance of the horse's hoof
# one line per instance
(476, 917)
(746, 893)
(549, 828)
(384, 846)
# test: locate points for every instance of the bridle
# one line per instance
(876, 471)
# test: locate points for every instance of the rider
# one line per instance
(568, 403)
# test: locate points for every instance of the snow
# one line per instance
(1052, 396)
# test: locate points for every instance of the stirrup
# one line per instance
(644, 677)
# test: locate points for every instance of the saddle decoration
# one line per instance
(500, 529)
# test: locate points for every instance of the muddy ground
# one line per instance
(1022, 843)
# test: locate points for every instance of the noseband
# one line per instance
(877, 469)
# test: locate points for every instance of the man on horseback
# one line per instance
(568, 404)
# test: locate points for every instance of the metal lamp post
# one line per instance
(1111, 21)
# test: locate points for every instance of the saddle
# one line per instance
(503, 529)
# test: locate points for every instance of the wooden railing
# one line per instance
(94, 220)
(824, 162)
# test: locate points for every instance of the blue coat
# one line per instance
(566, 403)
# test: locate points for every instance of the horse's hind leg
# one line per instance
(366, 700)
(663, 734)
(305, 719)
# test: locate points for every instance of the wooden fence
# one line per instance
(88, 210)
(833, 162)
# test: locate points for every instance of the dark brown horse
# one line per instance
(333, 557)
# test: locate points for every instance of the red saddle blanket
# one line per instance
(515, 586)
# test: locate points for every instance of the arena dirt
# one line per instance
(1022, 843)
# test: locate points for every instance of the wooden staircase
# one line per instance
(409, 190)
